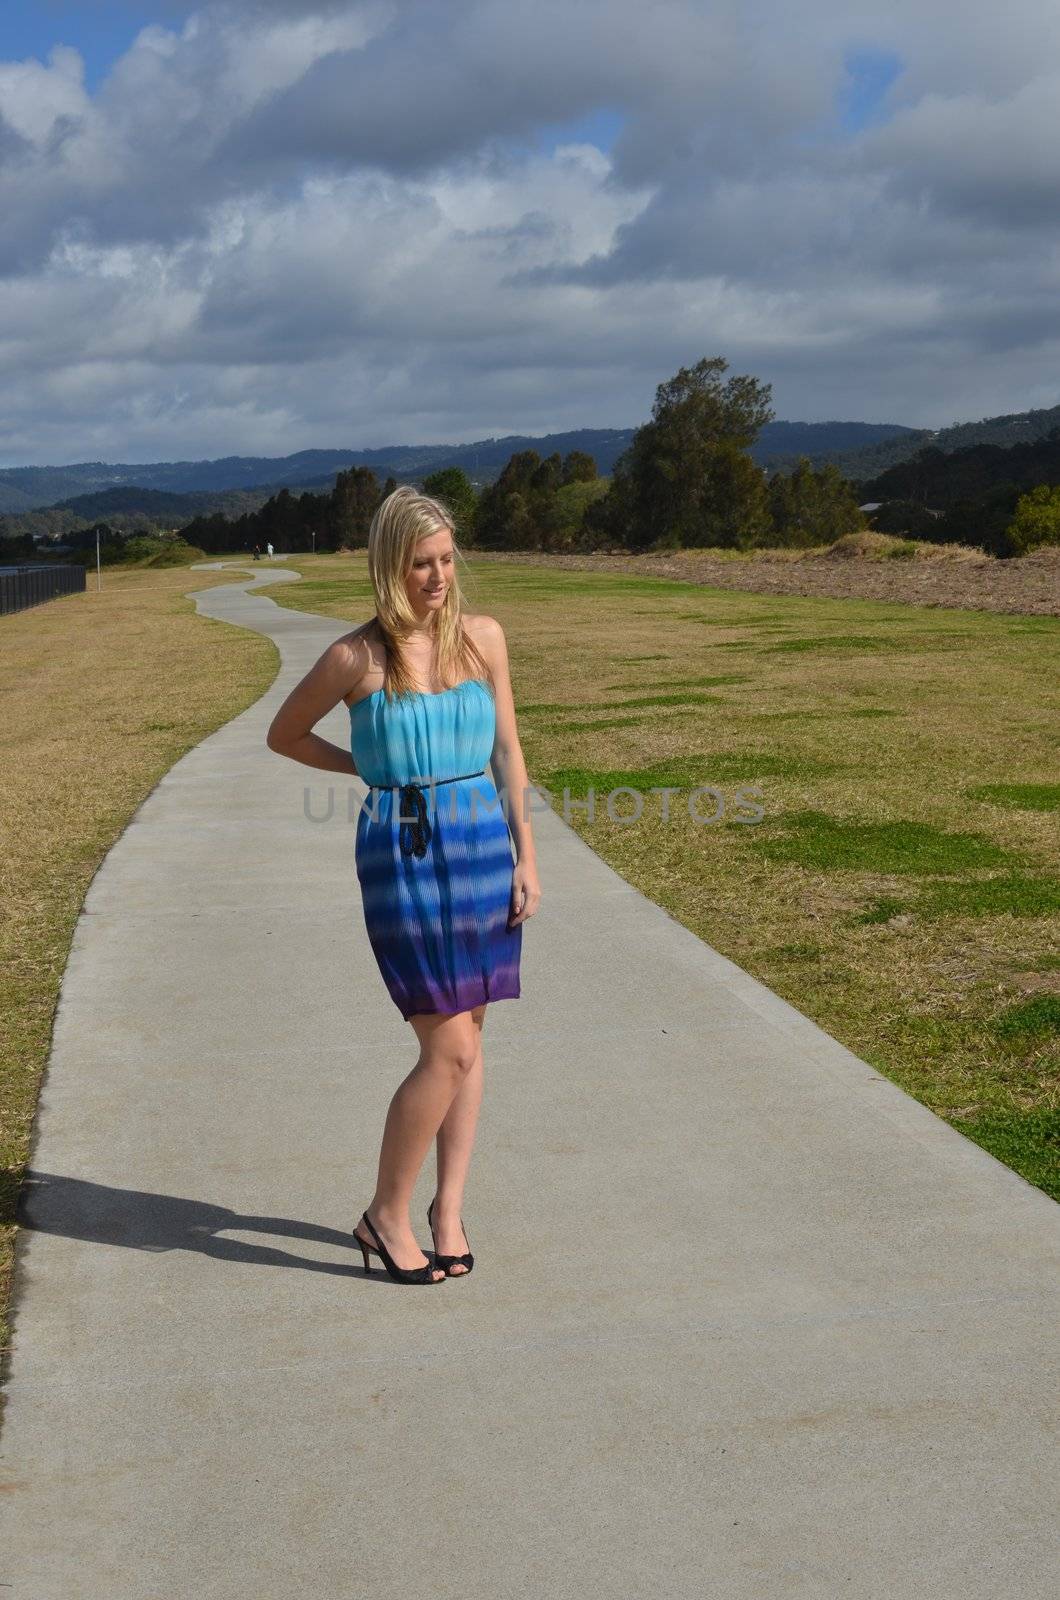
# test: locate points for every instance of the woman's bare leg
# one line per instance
(449, 1049)
(455, 1139)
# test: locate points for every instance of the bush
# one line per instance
(141, 548)
(1036, 520)
(176, 553)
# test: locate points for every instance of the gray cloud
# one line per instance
(279, 224)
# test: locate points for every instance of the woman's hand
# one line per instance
(526, 893)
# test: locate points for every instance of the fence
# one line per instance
(21, 587)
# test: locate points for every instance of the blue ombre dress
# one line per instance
(434, 858)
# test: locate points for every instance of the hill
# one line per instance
(1020, 427)
(28, 488)
(861, 450)
(31, 488)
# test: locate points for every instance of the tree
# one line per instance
(905, 516)
(680, 481)
(1036, 520)
(281, 520)
(579, 467)
(809, 508)
(984, 520)
(13, 545)
(454, 489)
(504, 520)
(354, 499)
(734, 505)
(526, 509)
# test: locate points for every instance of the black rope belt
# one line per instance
(415, 832)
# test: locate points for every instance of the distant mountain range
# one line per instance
(25, 488)
(861, 463)
(180, 490)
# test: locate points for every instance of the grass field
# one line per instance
(901, 886)
(102, 693)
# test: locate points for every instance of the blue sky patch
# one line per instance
(600, 127)
(869, 75)
(102, 30)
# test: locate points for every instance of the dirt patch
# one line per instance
(1027, 585)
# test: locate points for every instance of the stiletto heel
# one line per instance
(447, 1262)
(422, 1274)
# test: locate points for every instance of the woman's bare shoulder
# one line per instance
(482, 628)
(487, 635)
(359, 651)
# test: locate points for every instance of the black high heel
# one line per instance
(467, 1261)
(399, 1274)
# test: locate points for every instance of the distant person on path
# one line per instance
(269, 549)
(257, 552)
(443, 900)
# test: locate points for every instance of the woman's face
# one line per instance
(432, 572)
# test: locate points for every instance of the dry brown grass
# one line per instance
(868, 727)
(865, 566)
(889, 547)
(102, 693)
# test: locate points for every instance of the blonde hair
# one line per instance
(404, 518)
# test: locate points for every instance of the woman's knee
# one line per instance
(454, 1063)
(463, 1060)
(451, 1045)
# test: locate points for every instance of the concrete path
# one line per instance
(745, 1319)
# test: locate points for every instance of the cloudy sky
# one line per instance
(259, 226)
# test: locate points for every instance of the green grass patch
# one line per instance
(816, 839)
(1036, 1018)
(686, 699)
(767, 617)
(833, 641)
(711, 680)
(1018, 796)
(1016, 895)
(611, 722)
(554, 707)
(1026, 1141)
(1020, 625)
(311, 593)
(685, 773)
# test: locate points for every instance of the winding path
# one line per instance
(746, 1320)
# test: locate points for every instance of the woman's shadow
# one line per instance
(142, 1220)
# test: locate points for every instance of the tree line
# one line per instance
(1005, 499)
(687, 479)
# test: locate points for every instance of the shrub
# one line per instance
(176, 553)
(1037, 519)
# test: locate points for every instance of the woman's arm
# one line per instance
(510, 769)
(338, 670)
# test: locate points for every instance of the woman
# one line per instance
(430, 700)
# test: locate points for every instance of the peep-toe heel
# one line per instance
(422, 1274)
(447, 1262)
